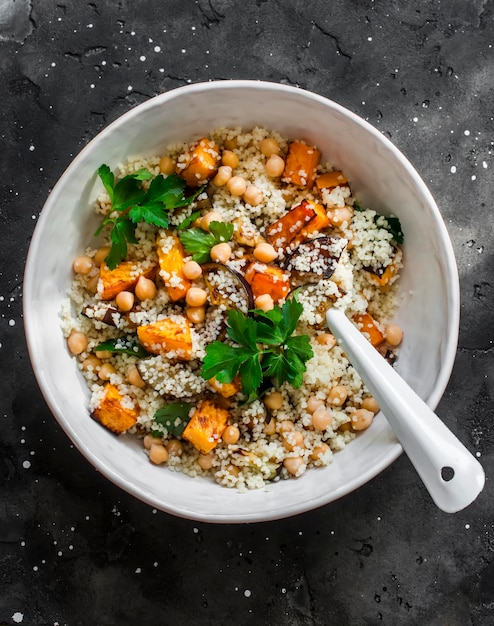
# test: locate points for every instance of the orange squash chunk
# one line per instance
(329, 180)
(281, 233)
(172, 269)
(123, 278)
(206, 426)
(368, 325)
(307, 217)
(383, 279)
(200, 164)
(167, 335)
(300, 164)
(267, 279)
(226, 389)
(112, 413)
(318, 222)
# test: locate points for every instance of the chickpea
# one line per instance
(92, 284)
(253, 195)
(149, 440)
(319, 451)
(145, 288)
(106, 371)
(205, 461)
(195, 314)
(285, 426)
(103, 354)
(222, 176)
(394, 335)
(192, 270)
(293, 439)
(337, 395)
(265, 253)
(229, 158)
(196, 296)
(167, 165)
(91, 363)
(294, 465)
(361, 419)
(269, 146)
(273, 401)
(264, 302)
(340, 215)
(76, 342)
(326, 339)
(231, 144)
(236, 186)
(83, 264)
(275, 166)
(101, 255)
(270, 427)
(124, 300)
(134, 377)
(314, 403)
(158, 454)
(221, 252)
(231, 434)
(175, 447)
(321, 418)
(212, 216)
(370, 404)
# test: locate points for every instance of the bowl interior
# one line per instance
(381, 178)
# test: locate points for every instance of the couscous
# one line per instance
(198, 321)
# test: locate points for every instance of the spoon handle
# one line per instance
(451, 474)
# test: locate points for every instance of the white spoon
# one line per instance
(453, 477)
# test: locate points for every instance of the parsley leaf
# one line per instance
(124, 345)
(198, 242)
(187, 221)
(131, 204)
(174, 417)
(266, 349)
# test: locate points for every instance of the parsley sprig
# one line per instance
(131, 204)
(266, 349)
(198, 242)
(174, 417)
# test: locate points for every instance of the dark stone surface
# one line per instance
(74, 549)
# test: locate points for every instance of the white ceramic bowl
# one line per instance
(381, 178)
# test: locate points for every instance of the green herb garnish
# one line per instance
(187, 221)
(267, 349)
(123, 346)
(131, 204)
(198, 242)
(174, 417)
(392, 224)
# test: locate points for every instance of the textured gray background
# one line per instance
(74, 549)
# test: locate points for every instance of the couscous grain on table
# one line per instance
(198, 323)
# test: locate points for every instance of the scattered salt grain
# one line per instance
(17, 617)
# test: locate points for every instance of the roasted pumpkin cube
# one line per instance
(281, 233)
(319, 222)
(114, 412)
(200, 164)
(383, 278)
(307, 217)
(300, 164)
(268, 279)
(171, 263)
(368, 326)
(226, 389)
(330, 180)
(171, 334)
(206, 426)
(123, 278)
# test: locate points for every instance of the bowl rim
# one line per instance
(452, 292)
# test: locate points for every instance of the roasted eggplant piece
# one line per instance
(108, 314)
(314, 260)
(227, 287)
